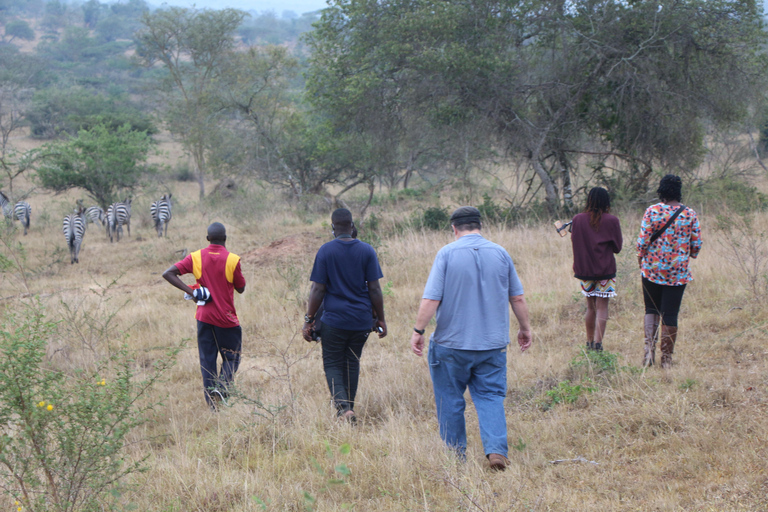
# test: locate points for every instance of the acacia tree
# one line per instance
(191, 45)
(106, 163)
(637, 81)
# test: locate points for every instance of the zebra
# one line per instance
(161, 213)
(118, 214)
(22, 210)
(95, 214)
(5, 205)
(74, 231)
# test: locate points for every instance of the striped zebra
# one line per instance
(5, 205)
(74, 231)
(118, 215)
(22, 210)
(161, 213)
(95, 214)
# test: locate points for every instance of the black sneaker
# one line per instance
(598, 347)
(590, 345)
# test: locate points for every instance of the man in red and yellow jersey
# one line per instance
(218, 328)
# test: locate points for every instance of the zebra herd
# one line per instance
(20, 211)
(117, 215)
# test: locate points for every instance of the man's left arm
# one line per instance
(377, 302)
(520, 309)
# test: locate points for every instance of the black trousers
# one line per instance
(342, 350)
(663, 300)
(212, 341)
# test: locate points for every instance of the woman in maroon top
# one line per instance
(596, 237)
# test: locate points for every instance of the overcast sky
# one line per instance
(278, 6)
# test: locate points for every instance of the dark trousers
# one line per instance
(342, 350)
(663, 300)
(212, 341)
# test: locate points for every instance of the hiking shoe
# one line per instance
(590, 345)
(598, 347)
(350, 416)
(498, 462)
(218, 397)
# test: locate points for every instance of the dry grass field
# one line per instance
(691, 438)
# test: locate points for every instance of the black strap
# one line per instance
(658, 233)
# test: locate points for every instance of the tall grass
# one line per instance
(691, 438)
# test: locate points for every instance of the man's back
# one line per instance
(473, 279)
(218, 270)
(345, 266)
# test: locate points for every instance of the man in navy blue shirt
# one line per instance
(346, 276)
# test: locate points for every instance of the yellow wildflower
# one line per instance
(50, 407)
(41, 404)
(103, 382)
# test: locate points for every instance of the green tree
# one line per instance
(18, 29)
(105, 163)
(191, 44)
(634, 81)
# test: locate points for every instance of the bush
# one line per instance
(735, 195)
(63, 433)
(434, 218)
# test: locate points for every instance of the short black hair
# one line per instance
(670, 188)
(342, 219)
(469, 226)
(217, 231)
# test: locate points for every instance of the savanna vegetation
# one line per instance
(400, 111)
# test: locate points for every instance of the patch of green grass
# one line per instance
(567, 393)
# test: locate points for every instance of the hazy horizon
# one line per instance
(297, 6)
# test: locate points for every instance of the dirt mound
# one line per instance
(301, 245)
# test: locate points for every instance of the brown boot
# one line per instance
(651, 333)
(668, 339)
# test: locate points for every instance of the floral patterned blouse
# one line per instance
(666, 260)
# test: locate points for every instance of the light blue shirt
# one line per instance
(473, 279)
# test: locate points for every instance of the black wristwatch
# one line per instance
(308, 319)
(420, 331)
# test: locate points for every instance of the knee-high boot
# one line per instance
(668, 339)
(651, 334)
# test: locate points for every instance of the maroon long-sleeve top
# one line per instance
(593, 251)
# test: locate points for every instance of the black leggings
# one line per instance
(663, 300)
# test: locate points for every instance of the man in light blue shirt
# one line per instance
(469, 286)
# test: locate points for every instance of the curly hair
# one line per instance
(670, 188)
(598, 203)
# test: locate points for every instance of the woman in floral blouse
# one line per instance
(664, 265)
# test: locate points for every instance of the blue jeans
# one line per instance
(485, 373)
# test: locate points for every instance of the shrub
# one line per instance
(434, 218)
(63, 433)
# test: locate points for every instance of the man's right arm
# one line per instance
(520, 309)
(172, 276)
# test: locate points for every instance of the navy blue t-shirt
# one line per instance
(345, 266)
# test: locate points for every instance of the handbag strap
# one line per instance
(672, 218)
